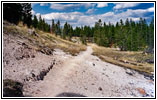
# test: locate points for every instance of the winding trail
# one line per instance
(87, 75)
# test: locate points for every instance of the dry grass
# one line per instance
(133, 60)
(65, 45)
(43, 40)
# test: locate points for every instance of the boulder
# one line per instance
(46, 50)
(151, 60)
(32, 32)
(149, 50)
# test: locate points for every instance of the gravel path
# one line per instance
(87, 75)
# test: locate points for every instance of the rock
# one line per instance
(130, 72)
(149, 77)
(33, 56)
(149, 50)
(151, 61)
(33, 75)
(7, 62)
(131, 83)
(38, 77)
(46, 50)
(141, 91)
(23, 52)
(100, 88)
(12, 88)
(32, 32)
(24, 45)
(93, 64)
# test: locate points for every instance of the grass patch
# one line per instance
(129, 59)
(66, 46)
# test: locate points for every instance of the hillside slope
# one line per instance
(46, 67)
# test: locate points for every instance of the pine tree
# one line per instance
(26, 14)
(57, 28)
(40, 23)
(70, 33)
(83, 36)
(65, 30)
(53, 26)
(35, 21)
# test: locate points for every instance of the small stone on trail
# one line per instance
(100, 88)
(130, 72)
(141, 91)
(33, 56)
(106, 75)
(93, 64)
(93, 84)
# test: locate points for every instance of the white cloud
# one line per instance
(88, 5)
(33, 12)
(100, 5)
(138, 12)
(90, 11)
(151, 9)
(71, 17)
(70, 6)
(43, 4)
(124, 5)
(38, 14)
(80, 19)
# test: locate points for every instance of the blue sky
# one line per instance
(80, 14)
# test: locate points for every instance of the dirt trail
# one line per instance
(87, 75)
(56, 80)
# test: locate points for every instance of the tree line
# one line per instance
(127, 35)
(40, 24)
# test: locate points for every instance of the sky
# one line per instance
(80, 14)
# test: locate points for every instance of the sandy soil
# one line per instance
(87, 75)
(81, 75)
